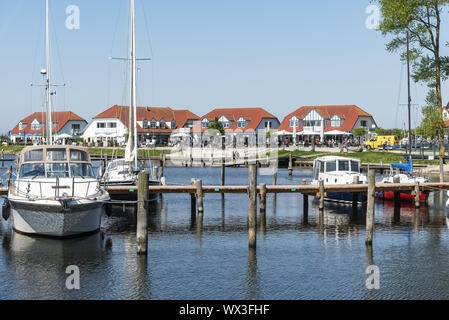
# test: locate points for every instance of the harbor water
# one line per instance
(293, 260)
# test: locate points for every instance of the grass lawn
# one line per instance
(365, 157)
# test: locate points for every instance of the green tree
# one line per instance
(381, 131)
(422, 20)
(217, 126)
(429, 123)
(359, 132)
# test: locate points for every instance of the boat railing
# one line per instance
(38, 194)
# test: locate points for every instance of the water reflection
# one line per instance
(252, 290)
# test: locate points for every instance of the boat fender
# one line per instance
(6, 209)
(108, 209)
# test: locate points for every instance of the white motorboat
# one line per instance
(338, 170)
(121, 172)
(55, 192)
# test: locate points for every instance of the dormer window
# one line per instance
(205, 123)
(224, 122)
(162, 123)
(173, 124)
(336, 121)
(241, 123)
(20, 125)
(153, 124)
(35, 125)
(294, 122)
(145, 124)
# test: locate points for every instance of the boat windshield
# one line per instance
(343, 165)
(355, 166)
(54, 170)
(32, 170)
(331, 166)
(56, 155)
(83, 170)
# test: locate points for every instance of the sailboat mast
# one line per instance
(49, 121)
(409, 98)
(133, 64)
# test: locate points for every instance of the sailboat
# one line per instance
(121, 172)
(407, 169)
(55, 193)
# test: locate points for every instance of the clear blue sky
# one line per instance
(279, 55)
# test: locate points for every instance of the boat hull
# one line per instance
(54, 219)
(342, 197)
(404, 197)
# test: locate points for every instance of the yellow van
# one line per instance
(380, 141)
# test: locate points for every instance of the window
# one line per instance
(112, 125)
(82, 170)
(153, 123)
(225, 124)
(343, 165)
(54, 170)
(145, 124)
(268, 124)
(56, 155)
(101, 125)
(336, 121)
(35, 126)
(78, 155)
(34, 155)
(355, 166)
(331, 166)
(204, 123)
(294, 120)
(32, 170)
(363, 123)
(173, 124)
(21, 126)
(162, 124)
(312, 123)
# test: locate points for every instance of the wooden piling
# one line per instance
(252, 194)
(275, 174)
(417, 194)
(223, 174)
(142, 200)
(199, 195)
(161, 168)
(370, 207)
(263, 206)
(321, 203)
(3, 157)
(9, 179)
(305, 205)
(290, 165)
(397, 194)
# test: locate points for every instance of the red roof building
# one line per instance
(336, 120)
(156, 123)
(33, 126)
(238, 119)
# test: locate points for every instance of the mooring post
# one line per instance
(3, 157)
(161, 168)
(370, 206)
(9, 176)
(321, 203)
(417, 195)
(305, 204)
(397, 194)
(199, 195)
(222, 180)
(273, 164)
(263, 206)
(252, 194)
(142, 200)
(192, 200)
(355, 195)
(290, 165)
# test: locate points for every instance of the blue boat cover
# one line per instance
(404, 166)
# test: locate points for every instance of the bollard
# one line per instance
(263, 206)
(142, 199)
(370, 207)
(199, 195)
(222, 180)
(252, 194)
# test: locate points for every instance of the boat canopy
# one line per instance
(404, 166)
(335, 165)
